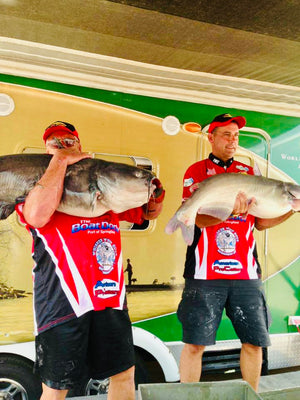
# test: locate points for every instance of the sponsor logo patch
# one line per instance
(227, 267)
(188, 182)
(105, 252)
(226, 239)
(106, 288)
(216, 160)
(211, 171)
(87, 226)
(242, 168)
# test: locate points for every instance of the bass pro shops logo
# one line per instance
(106, 288)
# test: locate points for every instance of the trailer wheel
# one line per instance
(96, 387)
(17, 381)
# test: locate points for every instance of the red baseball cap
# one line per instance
(60, 126)
(226, 119)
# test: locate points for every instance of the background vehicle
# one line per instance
(124, 120)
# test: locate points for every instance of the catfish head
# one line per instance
(122, 186)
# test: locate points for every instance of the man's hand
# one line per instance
(242, 205)
(158, 193)
(68, 156)
(153, 208)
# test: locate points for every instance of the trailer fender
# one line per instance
(153, 345)
(26, 350)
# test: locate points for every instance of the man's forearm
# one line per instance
(203, 221)
(45, 197)
(265, 223)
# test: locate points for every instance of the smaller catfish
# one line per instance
(215, 196)
(91, 187)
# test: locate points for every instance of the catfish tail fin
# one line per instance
(187, 230)
(172, 225)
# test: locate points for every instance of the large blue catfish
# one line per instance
(215, 196)
(91, 187)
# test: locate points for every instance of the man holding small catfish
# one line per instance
(221, 268)
(81, 318)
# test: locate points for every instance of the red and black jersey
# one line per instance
(78, 265)
(226, 250)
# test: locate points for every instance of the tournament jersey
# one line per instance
(226, 250)
(78, 265)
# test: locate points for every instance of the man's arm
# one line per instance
(203, 221)
(265, 223)
(45, 197)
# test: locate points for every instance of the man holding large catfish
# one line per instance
(82, 323)
(221, 268)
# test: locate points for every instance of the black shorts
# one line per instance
(202, 304)
(98, 345)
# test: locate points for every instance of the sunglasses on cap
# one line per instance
(70, 127)
(58, 143)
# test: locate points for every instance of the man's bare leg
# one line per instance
(250, 363)
(191, 363)
(121, 386)
(53, 394)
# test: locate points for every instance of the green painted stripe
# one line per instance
(184, 111)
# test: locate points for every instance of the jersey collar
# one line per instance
(216, 160)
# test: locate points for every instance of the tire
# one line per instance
(265, 364)
(17, 381)
(141, 374)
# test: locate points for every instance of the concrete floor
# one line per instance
(267, 383)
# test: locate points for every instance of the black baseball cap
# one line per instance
(226, 119)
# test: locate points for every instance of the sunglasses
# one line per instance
(62, 143)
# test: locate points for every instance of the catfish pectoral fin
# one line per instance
(6, 209)
(99, 195)
(95, 197)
